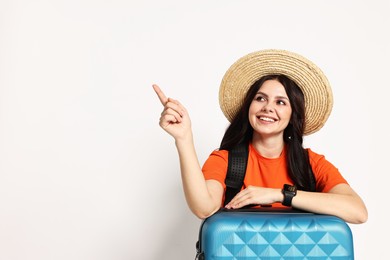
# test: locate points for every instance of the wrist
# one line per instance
(184, 140)
(280, 195)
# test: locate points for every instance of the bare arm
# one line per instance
(341, 201)
(203, 197)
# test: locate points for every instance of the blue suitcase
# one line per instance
(273, 234)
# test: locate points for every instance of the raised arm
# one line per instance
(203, 197)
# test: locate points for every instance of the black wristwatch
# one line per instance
(289, 191)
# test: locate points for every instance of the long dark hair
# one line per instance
(240, 131)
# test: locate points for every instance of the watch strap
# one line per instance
(289, 192)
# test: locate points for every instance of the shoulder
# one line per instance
(220, 153)
(217, 157)
(327, 175)
(319, 162)
(314, 157)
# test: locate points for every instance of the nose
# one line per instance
(267, 108)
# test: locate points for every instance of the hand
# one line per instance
(174, 118)
(255, 195)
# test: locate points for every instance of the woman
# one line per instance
(272, 99)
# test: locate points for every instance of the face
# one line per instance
(270, 110)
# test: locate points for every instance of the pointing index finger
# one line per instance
(160, 94)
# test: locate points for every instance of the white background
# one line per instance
(86, 173)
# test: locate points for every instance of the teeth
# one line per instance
(267, 119)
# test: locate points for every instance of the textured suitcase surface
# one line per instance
(274, 235)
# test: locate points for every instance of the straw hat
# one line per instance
(248, 69)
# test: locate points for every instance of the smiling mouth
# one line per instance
(267, 119)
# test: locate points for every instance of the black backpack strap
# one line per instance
(237, 162)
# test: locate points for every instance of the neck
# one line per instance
(268, 147)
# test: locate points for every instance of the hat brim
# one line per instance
(250, 68)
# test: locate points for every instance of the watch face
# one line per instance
(289, 188)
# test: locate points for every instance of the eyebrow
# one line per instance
(277, 97)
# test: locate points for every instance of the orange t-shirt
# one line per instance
(272, 173)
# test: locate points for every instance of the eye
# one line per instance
(281, 102)
(259, 98)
